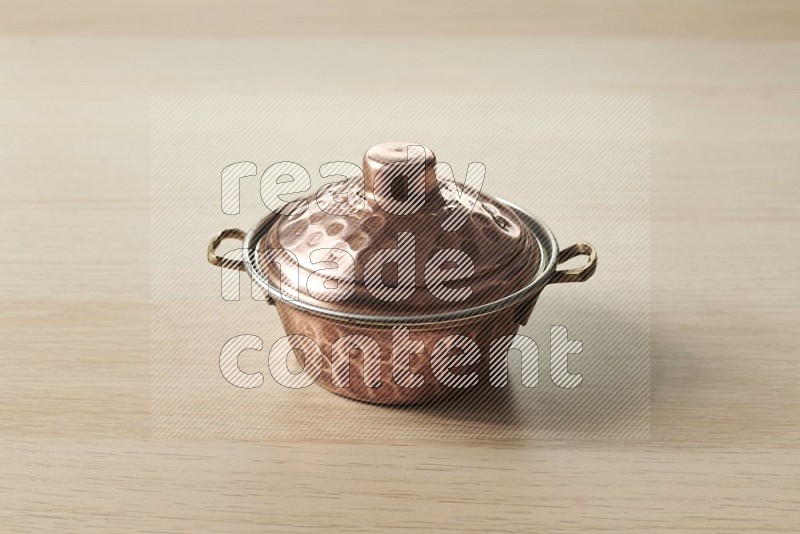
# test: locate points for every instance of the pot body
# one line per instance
(356, 355)
(349, 351)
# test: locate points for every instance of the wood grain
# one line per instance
(76, 451)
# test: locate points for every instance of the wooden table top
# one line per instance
(77, 446)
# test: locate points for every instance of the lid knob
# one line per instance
(400, 176)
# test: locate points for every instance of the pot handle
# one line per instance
(213, 259)
(579, 274)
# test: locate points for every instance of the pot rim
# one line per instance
(545, 239)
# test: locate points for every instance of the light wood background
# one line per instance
(76, 450)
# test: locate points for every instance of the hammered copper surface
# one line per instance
(325, 331)
(504, 254)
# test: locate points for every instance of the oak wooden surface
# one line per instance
(76, 448)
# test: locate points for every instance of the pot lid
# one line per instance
(399, 239)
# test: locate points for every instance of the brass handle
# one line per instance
(579, 274)
(213, 259)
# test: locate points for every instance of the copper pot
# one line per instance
(465, 271)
